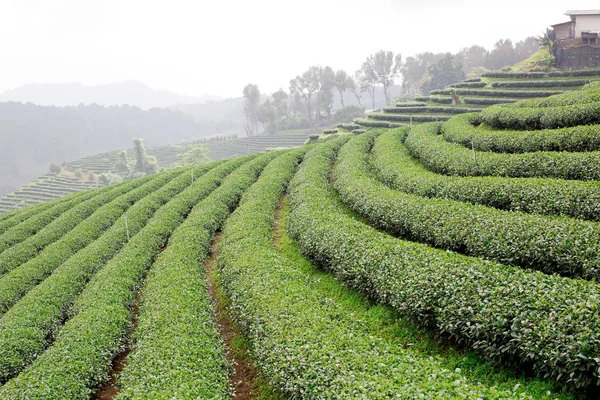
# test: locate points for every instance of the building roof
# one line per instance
(583, 12)
(562, 23)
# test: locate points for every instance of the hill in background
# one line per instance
(133, 93)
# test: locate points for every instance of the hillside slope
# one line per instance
(352, 268)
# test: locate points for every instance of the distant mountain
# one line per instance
(133, 93)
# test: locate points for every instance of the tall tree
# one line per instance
(306, 85)
(473, 56)
(367, 79)
(343, 82)
(325, 91)
(251, 104)
(386, 67)
(143, 163)
(356, 89)
(445, 72)
(280, 98)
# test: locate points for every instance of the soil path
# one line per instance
(244, 374)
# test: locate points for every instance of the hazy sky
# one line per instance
(216, 47)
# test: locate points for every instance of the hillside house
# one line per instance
(582, 29)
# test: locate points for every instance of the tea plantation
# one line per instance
(455, 259)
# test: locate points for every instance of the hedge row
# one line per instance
(329, 131)
(13, 218)
(65, 223)
(348, 127)
(79, 359)
(543, 321)
(304, 342)
(468, 85)
(583, 72)
(453, 159)
(21, 279)
(178, 352)
(441, 100)
(372, 124)
(411, 104)
(549, 244)
(501, 74)
(487, 101)
(26, 327)
(473, 80)
(540, 83)
(589, 94)
(34, 224)
(462, 129)
(447, 110)
(535, 118)
(394, 166)
(408, 118)
(498, 92)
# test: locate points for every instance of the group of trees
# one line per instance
(427, 71)
(313, 94)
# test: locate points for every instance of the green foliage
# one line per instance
(525, 75)
(303, 340)
(348, 127)
(22, 231)
(408, 117)
(430, 109)
(540, 83)
(486, 101)
(453, 159)
(55, 168)
(329, 131)
(109, 179)
(563, 246)
(464, 130)
(395, 167)
(506, 313)
(466, 84)
(194, 154)
(21, 278)
(79, 358)
(498, 92)
(27, 325)
(446, 71)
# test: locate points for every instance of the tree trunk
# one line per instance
(342, 98)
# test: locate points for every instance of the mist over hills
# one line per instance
(133, 92)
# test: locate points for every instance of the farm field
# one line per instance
(454, 259)
(52, 186)
(473, 95)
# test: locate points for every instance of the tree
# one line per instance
(445, 72)
(194, 154)
(473, 57)
(343, 82)
(386, 67)
(280, 98)
(502, 55)
(414, 70)
(55, 168)
(305, 86)
(251, 104)
(326, 85)
(355, 89)
(122, 165)
(367, 80)
(267, 113)
(143, 164)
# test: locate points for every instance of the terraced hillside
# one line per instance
(451, 260)
(473, 95)
(51, 186)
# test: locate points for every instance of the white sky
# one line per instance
(216, 47)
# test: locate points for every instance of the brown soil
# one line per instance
(244, 374)
(277, 230)
(331, 180)
(109, 391)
